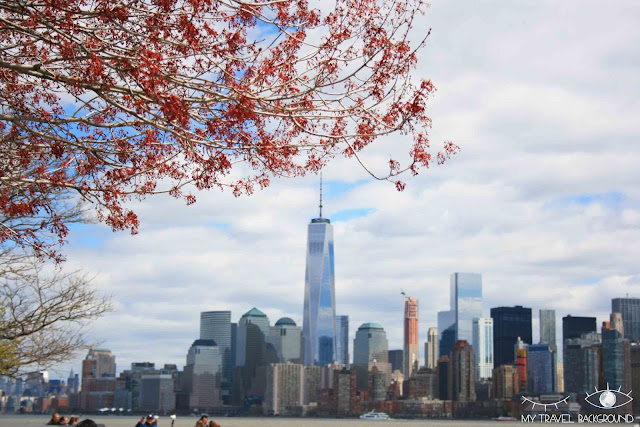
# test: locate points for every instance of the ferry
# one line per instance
(374, 416)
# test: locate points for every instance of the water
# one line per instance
(117, 421)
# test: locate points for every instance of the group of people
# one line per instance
(151, 421)
(57, 420)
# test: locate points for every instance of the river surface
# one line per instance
(117, 421)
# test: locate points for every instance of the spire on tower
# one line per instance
(320, 194)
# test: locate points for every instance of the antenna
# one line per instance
(320, 194)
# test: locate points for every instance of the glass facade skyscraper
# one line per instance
(630, 310)
(216, 326)
(541, 372)
(370, 344)
(342, 339)
(447, 328)
(319, 319)
(509, 323)
(483, 347)
(466, 302)
(548, 329)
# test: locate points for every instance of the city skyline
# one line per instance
(542, 199)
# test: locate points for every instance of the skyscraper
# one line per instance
(431, 353)
(319, 320)
(483, 347)
(541, 370)
(548, 329)
(462, 371)
(466, 302)
(286, 338)
(630, 310)
(509, 323)
(342, 339)
(582, 363)
(396, 359)
(216, 325)
(370, 344)
(447, 328)
(202, 375)
(575, 327)
(410, 336)
(252, 317)
(613, 353)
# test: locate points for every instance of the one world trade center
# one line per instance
(319, 321)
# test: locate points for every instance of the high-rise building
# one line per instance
(629, 308)
(505, 382)
(396, 359)
(286, 338)
(431, 352)
(520, 355)
(369, 345)
(216, 325)
(560, 373)
(466, 302)
(444, 378)
(548, 329)
(253, 354)
(634, 354)
(462, 371)
(342, 339)
(285, 388)
(582, 363)
(483, 347)
(319, 320)
(73, 382)
(541, 378)
(251, 317)
(447, 329)
(613, 353)
(157, 393)
(100, 363)
(202, 375)
(410, 336)
(575, 326)
(98, 380)
(509, 323)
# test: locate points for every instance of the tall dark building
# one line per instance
(630, 310)
(463, 372)
(444, 379)
(396, 358)
(575, 327)
(509, 323)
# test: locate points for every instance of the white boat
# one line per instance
(373, 415)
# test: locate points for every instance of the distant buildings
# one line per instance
(411, 359)
(431, 353)
(447, 328)
(216, 325)
(466, 303)
(98, 380)
(284, 389)
(396, 359)
(342, 339)
(483, 347)
(548, 329)
(202, 375)
(462, 372)
(286, 338)
(629, 308)
(370, 345)
(509, 323)
(541, 378)
(505, 382)
(582, 363)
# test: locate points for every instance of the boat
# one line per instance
(505, 419)
(373, 415)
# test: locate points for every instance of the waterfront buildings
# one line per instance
(319, 319)
(629, 308)
(342, 339)
(615, 357)
(202, 375)
(505, 382)
(284, 389)
(541, 378)
(370, 345)
(582, 363)
(462, 371)
(483, 347)
(286, 338)
(157, 393)
(431, 352)
(509, 323)
(216, 325)
(98, 380)
(410, 336)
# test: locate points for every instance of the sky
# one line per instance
(542, 200)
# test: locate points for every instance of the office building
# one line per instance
(466, 303)
(98, 380)
(319, 320)
(370, 345)
(520, 355)
(560, 375)
(342, 339)
(629, 308)
(548, 329)
(410, 336)
(614, 358)
(157, 393)
(202, 375)
(285, 389)
(447, 328)
(576, 326)
(541, 378)
(286, 338)
(216, 325)
(444, 378)
(396, 359)
(505, 382)
(260, 323)
(582, 363)
(462, 371)
(431, 352)
(509, 323)
(483, 347)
